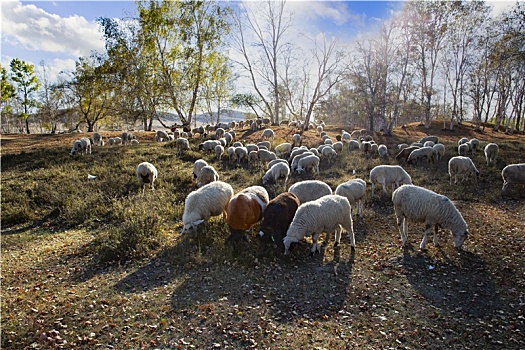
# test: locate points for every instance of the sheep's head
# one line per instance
(459, 238)
(191, 226)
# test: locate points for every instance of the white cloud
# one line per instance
(498, 7)
(35, 29)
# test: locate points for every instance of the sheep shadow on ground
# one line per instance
(464, 285)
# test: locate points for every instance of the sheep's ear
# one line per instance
(198, 222)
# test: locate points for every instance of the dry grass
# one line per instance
(90, 264)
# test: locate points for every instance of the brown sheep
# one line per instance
(277, 217)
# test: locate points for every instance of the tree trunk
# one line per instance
(27, 125)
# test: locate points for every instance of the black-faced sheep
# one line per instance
(244, 210)
(419, 204)
(146, 174)
(389, 175)
(209, 200)
(327, 214)
(461, 166)
(277, 217)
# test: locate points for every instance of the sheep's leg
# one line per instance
(352, 236)
(428, 228)
(373, 186)
(436, 239)
(337, 233)
(384, 187)
(315, 245)
(401, 223)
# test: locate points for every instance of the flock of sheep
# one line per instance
(310, 207)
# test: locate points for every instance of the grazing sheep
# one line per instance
(251, 147)
(238, 144)
(82, 146)
(278, 216)
(338, 146)
(277, 171)
(296, 140)
(463, 149)
(310, 190)
(114, 141)
(463, 166)
(474, 145)
(197, 166)
(207, 175)
(297, 158)
(421, 153)
(231, 154)
(439, 150)
(402, 146)
(182, 144)
(405, 153)
(275, 161)
(345, 136)
(328, 142)
(127, 137)
(219, 151)
(219, 132)
(161, 136)
(319, 130)
(429, 144)
(419, 204)
(327, 214)
(97, 139)
(353, 145)
(241, 154)
(146, 174)
(462, 141)
(513, 174)
(209, 200)
(355, 191)
(355, 134)
(383, 151)
(283, 150)
(228, 137)
(389, 174)
(133, 142)
(429, 138)
(491, 153)
(244, 210)
(296, 152)
(268, 134)
(366, 147)
(329, 154)
(309, 163)
(266, 144)
(209, 145)
(266, 156)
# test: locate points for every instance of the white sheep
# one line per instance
(275, 161)
(491, 153)
(161, 136)
(132, 142)
(296, 152)
(114, 141)
(127, 137)
(462, 141)
(251, 147)
(209, 200)
(241, 153)
(421, 153)
(439, 150)
(327, 214)
(207, 175)
(462, 166)
(253, 157)
(266, 156)
(429, 138)
(81, 146)
(345, 136)
(146, 174)
(296, 140)
(355, 191)
(319, 130)
(283, 150)
(277, 171)
(329, 154)
(197, 166)
(389, 174)
(338, 146)
(231, 153)
(419, 204)
(353, 145)
(219, 132)
(429, 144)
(219, 151)
(266, 144)
(97, 139)
(297, 158)
(383, 151)
(268, 134)
(309, 163)
(310, 190)
(513, 174)
(463, 149)
(182, 144)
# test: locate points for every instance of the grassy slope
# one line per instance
(194, 291)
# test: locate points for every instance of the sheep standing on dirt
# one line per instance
(355, 191)
(244, 210)
(81, 146)
(491, 153)
(268, 134)
(207, 175)
(389, 174)
(326, 214)
(278, 216)
(182, 144)
(461, 166)
(310, 190)
(419, 204)
(146, 174)
(276, 172)
(209, 200)
(513, 174)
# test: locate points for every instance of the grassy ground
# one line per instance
(92, 263)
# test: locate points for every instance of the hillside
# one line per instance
(90, 263)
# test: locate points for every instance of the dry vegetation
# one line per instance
(89, 264)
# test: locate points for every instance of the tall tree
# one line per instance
(26, 84)
(7, 91)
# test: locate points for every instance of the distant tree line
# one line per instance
(431, 60)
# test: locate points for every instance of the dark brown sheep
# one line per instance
(404, 153)
(277, 217)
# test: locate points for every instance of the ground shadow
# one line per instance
(463, 285)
